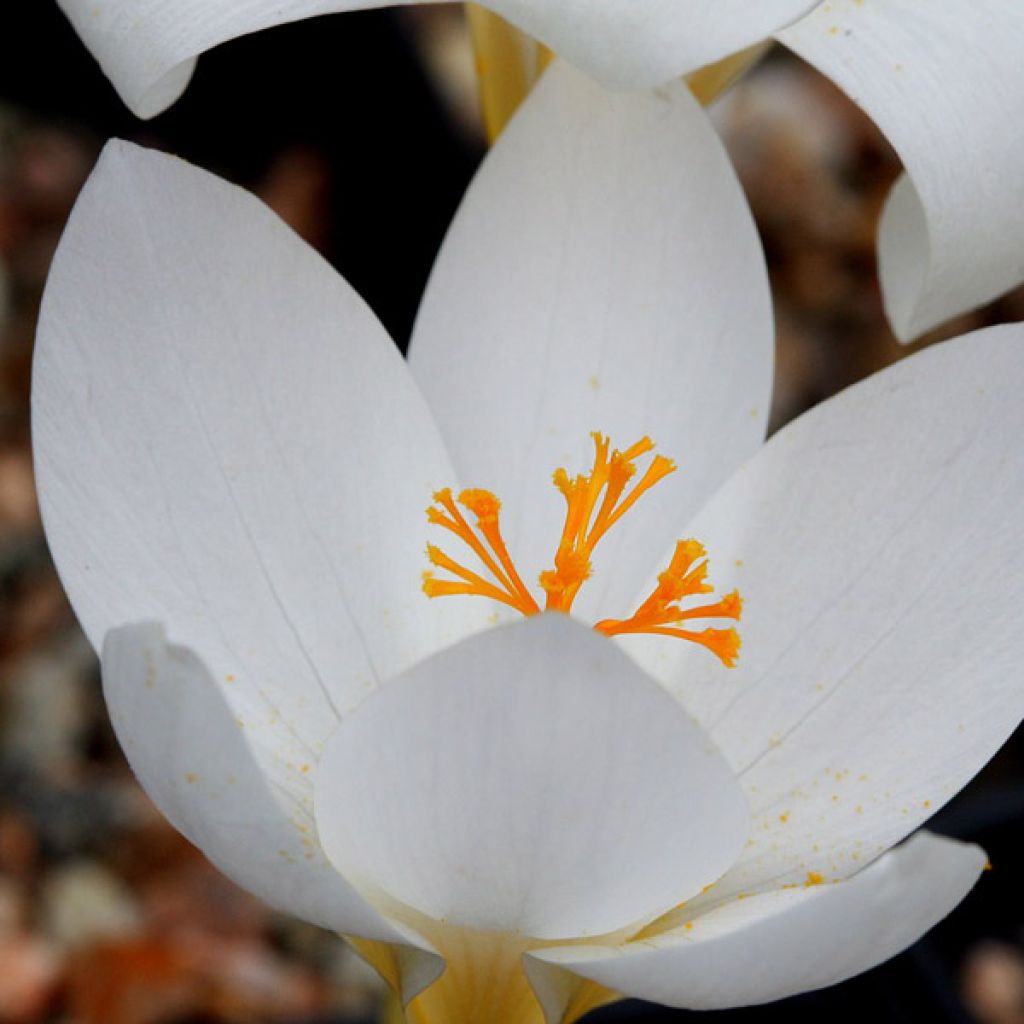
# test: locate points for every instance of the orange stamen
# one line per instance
(684, 577)
(595, 502)
(583, 529)
(485, 506)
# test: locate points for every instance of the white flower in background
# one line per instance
(231, 452)
(943, 81)
(148, 48)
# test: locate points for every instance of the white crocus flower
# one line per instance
(148, 48)
(519, 822)
(944, 81)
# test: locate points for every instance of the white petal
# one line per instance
(603, 274)
(635, 44)
(228, 443)
(530, 780)
(945, 82)
(148, 47)
(879, 550)
(196, 764)
(789, 941)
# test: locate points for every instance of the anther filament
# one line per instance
(662, 613)
(508, 587)
(595, 502)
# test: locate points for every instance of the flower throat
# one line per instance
(595, 502)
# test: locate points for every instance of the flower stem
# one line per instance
(508, 64)
(709, 82)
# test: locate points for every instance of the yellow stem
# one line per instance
(709, 82)
(508, 64)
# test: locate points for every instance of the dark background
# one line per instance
(106, 917)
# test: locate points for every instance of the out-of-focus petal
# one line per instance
(148, 48)
(603, 273)
(530, 780)
(878, 547)
(636, 44)
(788, 941)
(945, 82)
(228, 443)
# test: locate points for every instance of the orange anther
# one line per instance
(509, 588)
(594, 501)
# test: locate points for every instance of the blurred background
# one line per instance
(362, 132)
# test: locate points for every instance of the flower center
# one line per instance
(595, 502)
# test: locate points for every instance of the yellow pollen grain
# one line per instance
(813, 878)
(191, 777)
(784, 817)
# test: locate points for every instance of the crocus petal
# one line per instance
(228, 443)
(788, 941)
(148, 48)
(195, 763)
(603, 273)
(531, 780)
(945, 82)
(635, 44)
(879, 553)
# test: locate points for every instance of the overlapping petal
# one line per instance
(603, 273)
(945, 82)
(878, 551)
(787, 941)
(148, 48)
(194, 760)
(531, 781)
(636, 44)
(227, 442)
